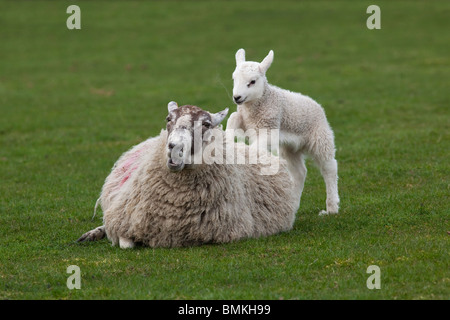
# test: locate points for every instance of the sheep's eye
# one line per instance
(251, 83)
(207, 124)
(168, 119)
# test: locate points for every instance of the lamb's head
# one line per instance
(188, 129)
(249, 77)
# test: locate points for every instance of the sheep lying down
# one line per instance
(158, 196)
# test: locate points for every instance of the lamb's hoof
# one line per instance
(125, 243)
(327, 213)
(93, 235)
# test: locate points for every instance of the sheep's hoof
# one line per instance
(93, 235)
(125, 243)
(327, 213)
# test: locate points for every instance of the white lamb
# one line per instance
(303, 126)
(155, 196)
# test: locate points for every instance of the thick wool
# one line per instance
(145, 202)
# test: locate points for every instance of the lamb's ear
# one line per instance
(265, 64)
(240, 56)
(217, 118)
(172, 106)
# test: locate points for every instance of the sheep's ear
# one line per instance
(172, 106)
(217, 118)
(240, 56)
(265, 64)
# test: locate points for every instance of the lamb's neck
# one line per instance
(263, 101)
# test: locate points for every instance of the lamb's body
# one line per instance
(143, 202)
(301, 121)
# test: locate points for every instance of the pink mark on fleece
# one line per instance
(127, 168)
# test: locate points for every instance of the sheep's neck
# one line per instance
(261, 102)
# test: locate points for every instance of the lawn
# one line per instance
(71, 101)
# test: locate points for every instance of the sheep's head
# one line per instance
(188, 129)
(249, 77)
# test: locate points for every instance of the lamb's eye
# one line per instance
(251, 83)
(168, 119)
(207, 125)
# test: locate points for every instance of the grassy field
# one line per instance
(71, 101)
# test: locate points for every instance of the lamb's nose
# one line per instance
(237, 98)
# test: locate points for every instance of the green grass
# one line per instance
(72, 101)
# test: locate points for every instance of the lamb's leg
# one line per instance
(328, 168)
(300, 173)
(322, 148)
(125, 243)
(93, 235)
(234, 121)
(296, 167)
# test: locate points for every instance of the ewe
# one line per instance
(157, 197)
(302, 123)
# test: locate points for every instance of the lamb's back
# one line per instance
(299, 113)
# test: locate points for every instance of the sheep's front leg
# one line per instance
(93, 235)
(234, 121)
(235, 124)
(125, 243)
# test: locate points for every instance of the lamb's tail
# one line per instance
(95, 208)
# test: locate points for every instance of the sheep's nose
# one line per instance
(237, 98)
(178, 148)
